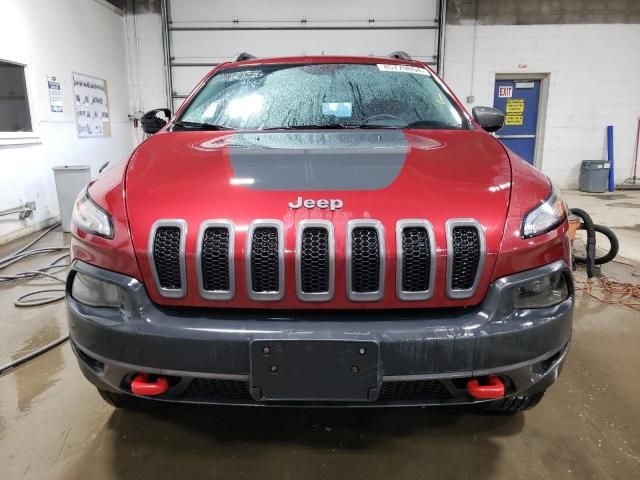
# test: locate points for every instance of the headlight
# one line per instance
(542, 292)
(94, 292)
(546, 217)
(90, 217)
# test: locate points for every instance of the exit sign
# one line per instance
(505, 91)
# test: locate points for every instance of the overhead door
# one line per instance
(200, 34)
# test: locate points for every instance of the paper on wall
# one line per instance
(92, 105)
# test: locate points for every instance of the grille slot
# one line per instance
(416, 260)
(406, 391)
(166, 257)
(466, 246)
(315, 260)
(214, 259)
(265, 260)
(365, 260)
(204, 389)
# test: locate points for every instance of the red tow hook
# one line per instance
(495, 388)
(142, 386)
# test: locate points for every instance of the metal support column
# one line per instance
(442, 24)
(165, 12)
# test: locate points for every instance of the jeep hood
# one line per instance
(386, 175)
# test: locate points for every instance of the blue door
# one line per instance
(519, 100)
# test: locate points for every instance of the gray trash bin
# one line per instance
(70, 180)
(594, 176)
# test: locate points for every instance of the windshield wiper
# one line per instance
(328, 126)
(432, 125)
(199, 126)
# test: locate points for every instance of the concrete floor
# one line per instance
(54, 425)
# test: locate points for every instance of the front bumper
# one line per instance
(425, 356)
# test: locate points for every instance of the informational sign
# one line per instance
(505, 91)
(92, 106)
(55, 94)
(515, 105)
(513, 119)
(514, 109)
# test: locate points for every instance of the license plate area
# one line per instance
(316, 370)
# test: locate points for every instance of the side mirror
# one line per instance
(490, 119)
(152, 122)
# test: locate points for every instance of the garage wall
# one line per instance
(57, 38)
(594, 72)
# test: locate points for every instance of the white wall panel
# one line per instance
(194, 12)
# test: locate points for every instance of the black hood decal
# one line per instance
(312, 160)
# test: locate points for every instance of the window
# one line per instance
(14, 103)
(322, 95)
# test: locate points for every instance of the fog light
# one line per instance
(542, 292)
(94, 292)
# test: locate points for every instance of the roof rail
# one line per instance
(400, 55)
(244, 56)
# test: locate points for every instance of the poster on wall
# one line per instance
(92, 106)
(55, 94)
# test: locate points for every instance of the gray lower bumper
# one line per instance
(527, 346)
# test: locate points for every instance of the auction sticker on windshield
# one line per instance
(385, 67)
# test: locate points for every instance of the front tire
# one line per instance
(127, 402)
(514, 404)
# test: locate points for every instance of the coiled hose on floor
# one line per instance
(591, 259)
(36, 298)
(24, 253)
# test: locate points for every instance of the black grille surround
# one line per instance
(237, 391)
(166, 257)
(416, 259)
(315, 260)
(365, 260)
(465, 257)
(265, 260)
(215, 260)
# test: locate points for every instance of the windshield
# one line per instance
(322, 96)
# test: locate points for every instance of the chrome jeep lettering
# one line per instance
(333, 204)
(296, 205)
(336, 204)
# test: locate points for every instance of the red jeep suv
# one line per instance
(321, 231)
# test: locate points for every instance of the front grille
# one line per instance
(413, 390)
(416, 259)
(466, 256)
(167, 257)
(204, 389)
(265, 262)
(365, 260)
(214, 259)
(314, 260)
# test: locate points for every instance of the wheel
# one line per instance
(127, 402)
(515, 404)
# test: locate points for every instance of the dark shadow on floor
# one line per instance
(227, 442)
